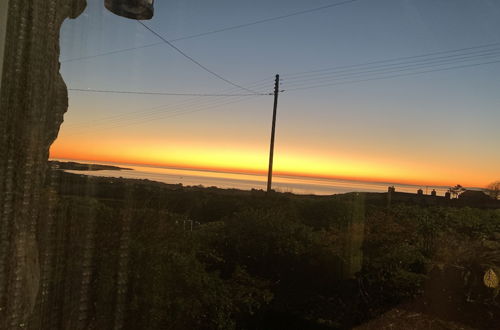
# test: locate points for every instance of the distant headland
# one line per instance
(84, 167)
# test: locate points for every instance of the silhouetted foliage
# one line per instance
(493, 190)
(267, 261)
(456, 190)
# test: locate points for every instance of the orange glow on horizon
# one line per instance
(255, 162)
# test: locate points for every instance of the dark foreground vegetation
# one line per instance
(157, 256)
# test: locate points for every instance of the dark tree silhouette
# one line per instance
(456, 191)
(493, 189)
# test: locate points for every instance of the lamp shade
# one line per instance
(134, 9)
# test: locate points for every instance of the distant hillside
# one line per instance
(84, 167)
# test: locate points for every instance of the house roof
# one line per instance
(474, 194)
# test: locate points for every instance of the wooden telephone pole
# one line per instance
(273, 129)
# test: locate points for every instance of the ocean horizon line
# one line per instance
(277, 174)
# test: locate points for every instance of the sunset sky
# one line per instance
(431, 128)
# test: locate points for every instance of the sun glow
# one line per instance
(254, 159)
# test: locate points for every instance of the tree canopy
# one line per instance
(494, 189)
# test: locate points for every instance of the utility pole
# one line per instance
(273, 129)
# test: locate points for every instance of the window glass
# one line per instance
(250, 164)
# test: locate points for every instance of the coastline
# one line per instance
(248, 181)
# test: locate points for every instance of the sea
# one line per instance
(245, 181)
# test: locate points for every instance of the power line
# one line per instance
(110, 52)
(392, 76)
(398, 64)
(259, 84)
(159, 93)
(176, 109)
(195, 61)
(289, 75)
(393, 68)
(265, 20)
(228, 28)
(170, 115)
(360, 75)
(158, 112)
(188, 111)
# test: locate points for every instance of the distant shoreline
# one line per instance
(277, 174)
(189, 177)
(74, 166)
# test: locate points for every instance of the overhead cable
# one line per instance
(193, 60)
(391, 76)
(301, 73)
(193, 101)
(391, 69)
(228, 28)
(158, 93)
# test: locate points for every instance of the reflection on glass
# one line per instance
(152, 211)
